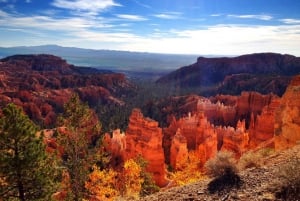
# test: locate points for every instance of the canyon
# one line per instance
(180, 125)
(256, 121)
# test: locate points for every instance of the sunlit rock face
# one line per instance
(178, 151)
(115, 145)
(234, 140)
(144, 138)
(287, 117)
(261, 128)
(199, 134)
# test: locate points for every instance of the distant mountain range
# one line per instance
(262, 72)
(121, 61)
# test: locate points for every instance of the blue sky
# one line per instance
(218, 27)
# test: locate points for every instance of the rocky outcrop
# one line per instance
(199, 134)
(178, 151)
(261, 128)
(243, 73)
(144, 138)
(234, 140)
(116, 146)
(251, 103)
(287, 117)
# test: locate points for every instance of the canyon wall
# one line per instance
(287, 117)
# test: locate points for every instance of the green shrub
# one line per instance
(289, 177)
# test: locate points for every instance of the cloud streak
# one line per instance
(85, 5)
(131, 17)
(258, 17)
(290, 21)
(168, 15)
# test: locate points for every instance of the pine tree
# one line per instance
(25, 169)
(79, 124)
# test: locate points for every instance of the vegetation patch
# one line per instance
(223, 168)
(289, 177)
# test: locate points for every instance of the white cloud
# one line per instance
(168, 15)
(85, 5)
(99, 33)
(258, 17)
(131, 17)
(216, 15)
(290, 21)
(28, 1)
(3, 13)
(224, 39)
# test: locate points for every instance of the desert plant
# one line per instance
(220, 164)
(223, 168)
(253, 159)
(249, 159)
(289, 177)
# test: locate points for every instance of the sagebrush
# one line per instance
(289, 180)
(224, 170)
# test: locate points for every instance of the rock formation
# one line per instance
(234, 140)
(178, 151)
(261, 128)
(287, 117)
(144, 138)
(116, 146)
(199, 134)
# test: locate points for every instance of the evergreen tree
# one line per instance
(79, 124)
(25, 169)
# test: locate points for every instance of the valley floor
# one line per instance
(258, 183)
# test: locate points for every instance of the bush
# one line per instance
(221, 164)
(289, 175)
(253, 159)
(249, 159)
(223, 168)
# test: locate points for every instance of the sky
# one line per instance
(202, 27)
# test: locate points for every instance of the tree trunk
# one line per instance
(21, 189)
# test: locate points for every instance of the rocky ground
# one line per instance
(258, 183)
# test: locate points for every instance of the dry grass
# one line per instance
(289, 177)
(223, 168)
(252, 159)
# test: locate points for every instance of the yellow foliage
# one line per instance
(102, 184)
(132, 178)
(189, 173)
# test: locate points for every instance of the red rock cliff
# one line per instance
(287, 117)
(199, 134)
(144, 137)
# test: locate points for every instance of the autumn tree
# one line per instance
(26, 171)
(189, 171)
(101, 184)
(132, 178)
(78, 127)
